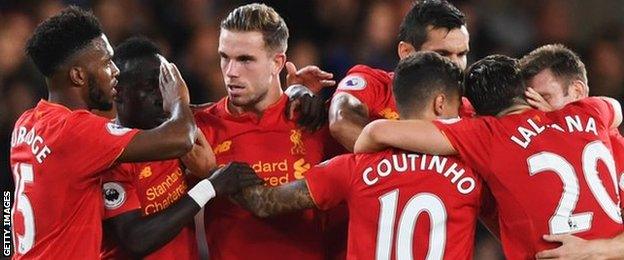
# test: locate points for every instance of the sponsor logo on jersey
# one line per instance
(116, 129)
(146, 172)
(300, 166)
(297, 140)
(222, 147)
(114, 195)
(352, 82)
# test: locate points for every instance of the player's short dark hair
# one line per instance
(259, 18)
(436, 13)
(60, 36)
(562, 62)
(421, 75)
(139, 50)
(135, 48)
(493, 84)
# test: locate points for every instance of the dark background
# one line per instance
(335, 34)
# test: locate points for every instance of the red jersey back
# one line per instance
(56, 157)
(279, 152)
(149, 187)
(401, 205)
(373, 87)
(551, 173)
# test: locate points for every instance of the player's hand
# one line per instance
(172, 86)
(310, 109)
(232, 178)
(537, 101)
(310, 76)
(572, 247)
(201, 159)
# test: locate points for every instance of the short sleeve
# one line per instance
(93, 142)
(119, 190)
(366, 88)
(598, 108)
(472, 138)
(329, 182)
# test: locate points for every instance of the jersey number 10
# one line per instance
(419, 203)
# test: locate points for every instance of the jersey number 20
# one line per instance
(563, 220)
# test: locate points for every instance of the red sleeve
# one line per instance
(120, 194)
(94, 142)
(329, 183)
(366, 88)
(599, 109)
(471, 138)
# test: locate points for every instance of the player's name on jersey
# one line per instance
(533, 129)
(22, 135)
(409, 163)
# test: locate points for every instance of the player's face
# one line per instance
(551, 88)
(247, 66)
(452, 44)
(101, 74)
(139, 100)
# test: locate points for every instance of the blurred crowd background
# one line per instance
(335, 34)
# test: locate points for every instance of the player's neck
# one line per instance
(271, 97)
(66, 97)
(515, 109)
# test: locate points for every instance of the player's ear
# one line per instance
(439, 104)
(578, 90)
(404, 49)
(279, 61)
(78, 76)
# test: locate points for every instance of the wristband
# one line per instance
(202, 192)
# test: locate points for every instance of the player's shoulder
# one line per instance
(211, 113)
(361, 76)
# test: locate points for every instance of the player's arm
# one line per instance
(573, 247)
(264, 202)
(347, 117)
(201, 159)
(142, 235)
(617, 111)
(412, 135)
(174, 137)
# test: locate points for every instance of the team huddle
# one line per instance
(396, 165)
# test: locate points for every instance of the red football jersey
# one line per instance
(57, 156)
(401, 205)
(279, 152)
(149, 187)
(373, 87)
(617, 145)
(551, 173)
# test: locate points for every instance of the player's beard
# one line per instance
(97, 98)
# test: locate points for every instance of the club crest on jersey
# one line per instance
(352, 83)
(116, 129)
(297, 140)
(114, 195)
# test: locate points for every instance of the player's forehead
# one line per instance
(102, 46)
(238, 43)
(443, 40)
(545, 82)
